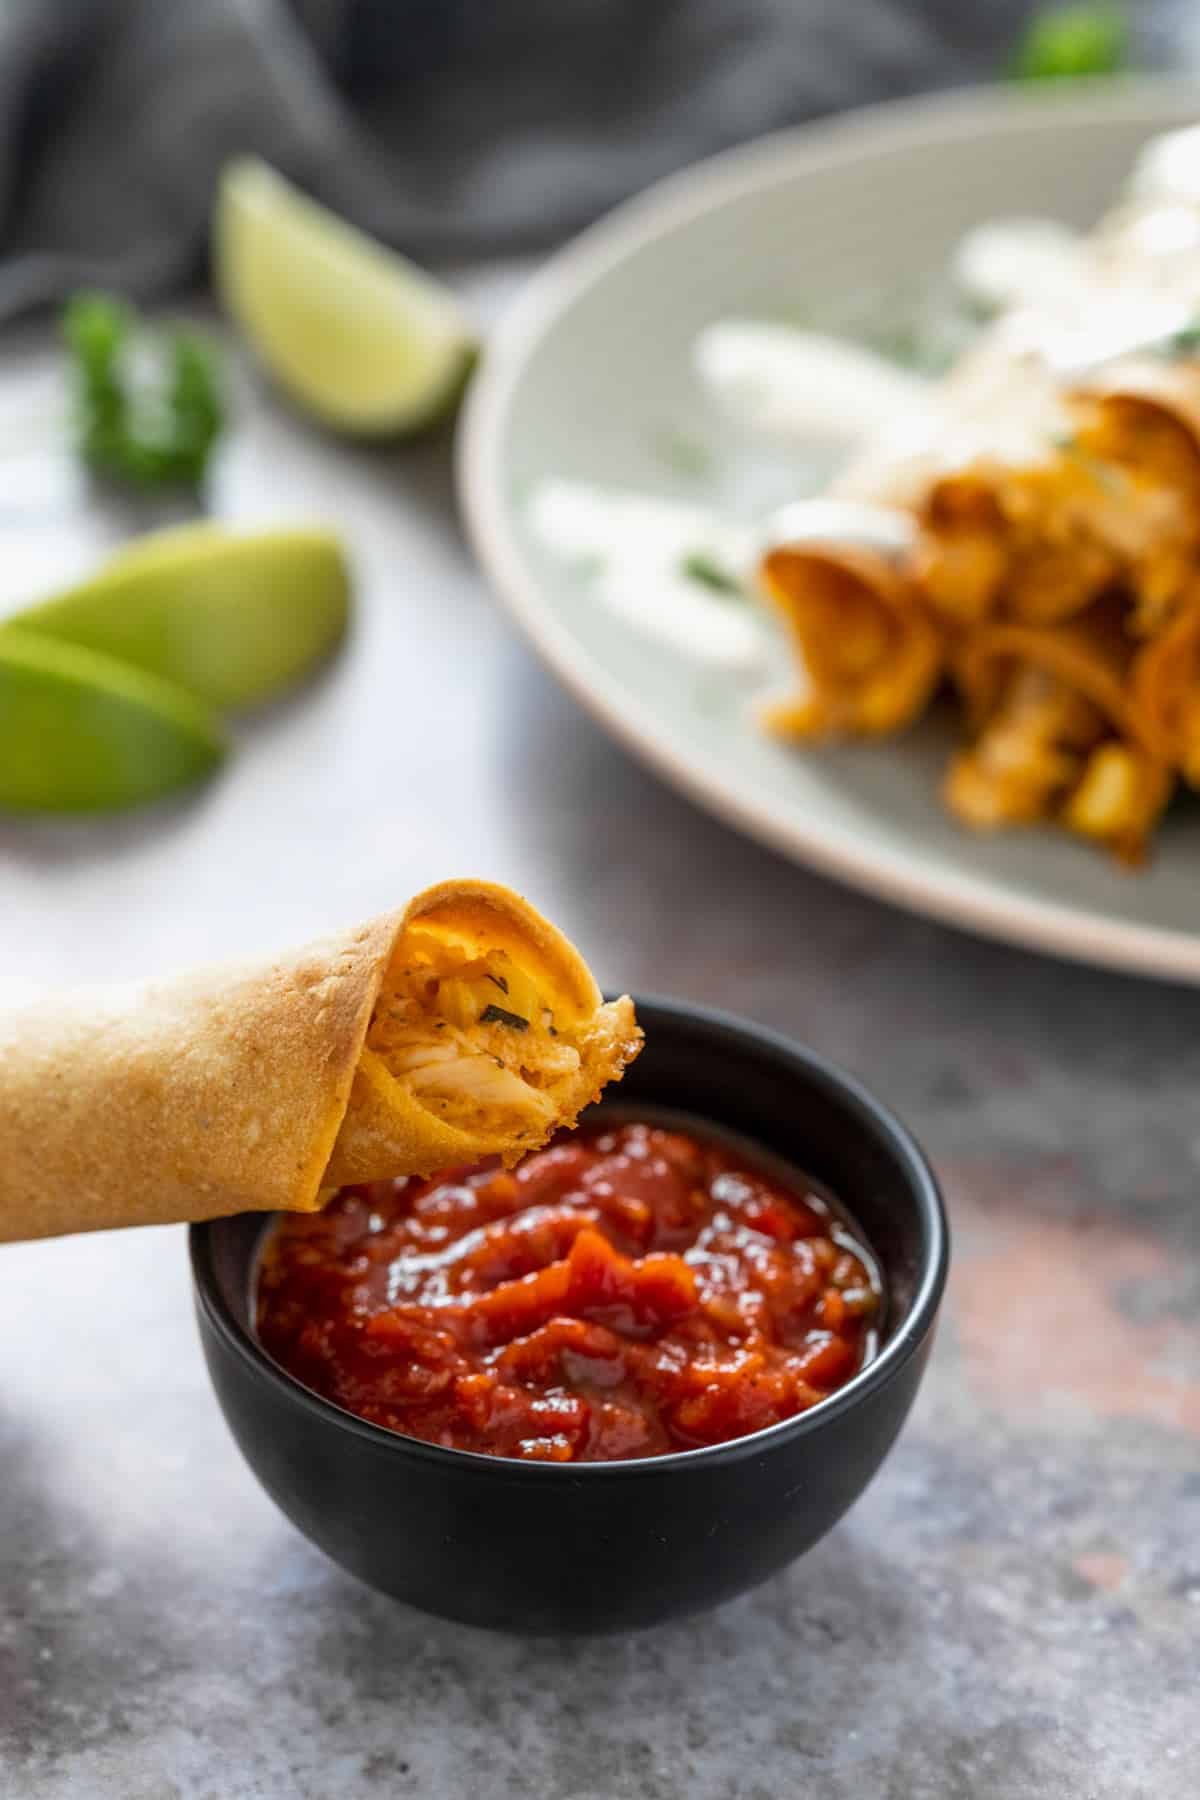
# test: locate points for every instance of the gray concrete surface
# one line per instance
(1014, 1607)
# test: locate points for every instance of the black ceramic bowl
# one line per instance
(607, 1546)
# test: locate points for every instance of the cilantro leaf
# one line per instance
(148, 430)
(699, 566)
(1067, 41)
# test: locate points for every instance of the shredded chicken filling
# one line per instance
(871, 658)
(1047, 752)
(1029, 754)
(472, 1038)
(1117, 501)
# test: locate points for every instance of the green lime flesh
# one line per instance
(82, 733)
(360, 337)
(235, 620)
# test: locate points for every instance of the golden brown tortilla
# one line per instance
(1051, 483)
(252, 1087)
(1057, 735)
(868, 656)
(1165, 688)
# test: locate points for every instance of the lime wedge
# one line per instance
(235, 620)
(80, 732)
(358, 335)
(145, 551)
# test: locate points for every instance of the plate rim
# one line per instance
(963, 900)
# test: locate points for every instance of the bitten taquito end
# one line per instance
(461, 1027)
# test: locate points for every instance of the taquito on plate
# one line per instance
(867, 655)
(1165, 687)
(1056, 734)
(1051, 485)
(463, 1026)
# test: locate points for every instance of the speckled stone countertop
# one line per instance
(1014, 1607)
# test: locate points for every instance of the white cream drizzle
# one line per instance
(802, 385)
(640, 545)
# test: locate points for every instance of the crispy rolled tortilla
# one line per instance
(1057, 736)
(1012, 516)
(1139, 421)
(1111, 497)
(1052, 486)
(869, 658)
(1165, 688)
(1037, 483)
(1025, 542)
(461, 1027)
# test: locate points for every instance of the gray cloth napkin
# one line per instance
(447, 127)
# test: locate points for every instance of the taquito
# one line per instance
(1165, 687)
(463, 1026)
(1138, 420)
(1062, 453)
(1051, 484)
(1045, 493)
(1056, 735)
(867, 656)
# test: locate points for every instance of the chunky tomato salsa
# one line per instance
(630, 1291)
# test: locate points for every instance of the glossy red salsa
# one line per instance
(629, 1291)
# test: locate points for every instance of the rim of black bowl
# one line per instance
(871, 1113)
